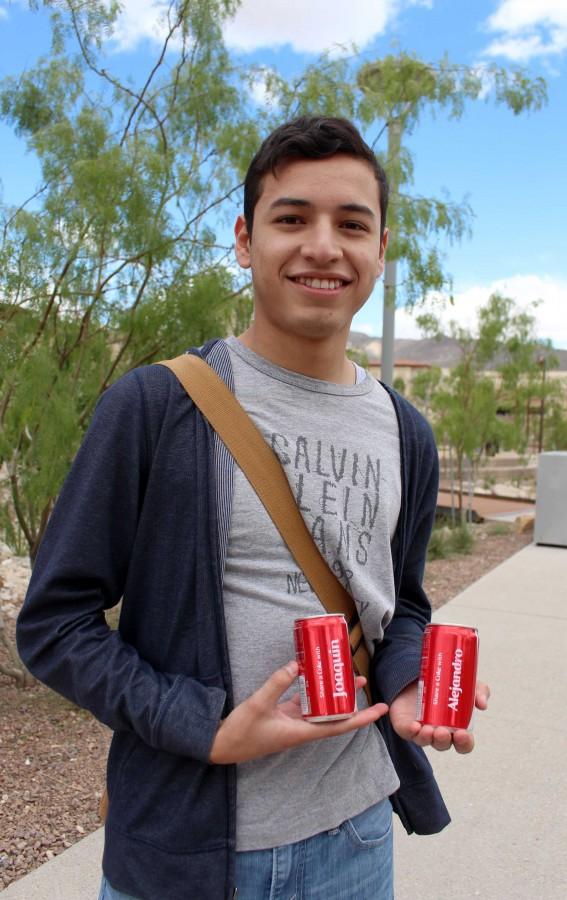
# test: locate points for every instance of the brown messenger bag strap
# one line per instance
(264, 472)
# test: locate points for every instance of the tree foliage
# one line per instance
(487, 398)
(115, 260)
(399, 90)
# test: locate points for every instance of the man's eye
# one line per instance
(354, 226)
(288, 220)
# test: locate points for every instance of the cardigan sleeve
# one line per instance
(397, 658)
(81, 570)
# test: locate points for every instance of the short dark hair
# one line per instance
(309, 137)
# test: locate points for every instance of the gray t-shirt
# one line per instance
(339, 447)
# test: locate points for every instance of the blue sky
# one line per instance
(511, 169)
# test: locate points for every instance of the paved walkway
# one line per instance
(508, 799)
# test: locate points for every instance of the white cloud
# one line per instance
(526, 29)
(140, 20)
(308, 27)
(551, 320)
(514, 15)
(3, 12)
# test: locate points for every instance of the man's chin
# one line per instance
(319, 329)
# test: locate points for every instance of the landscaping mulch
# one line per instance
(445, 578)
(53, 755)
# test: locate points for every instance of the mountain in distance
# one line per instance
(443, 352)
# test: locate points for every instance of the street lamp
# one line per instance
(542, 363)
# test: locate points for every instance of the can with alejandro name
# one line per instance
(326, 673)
(447, 680)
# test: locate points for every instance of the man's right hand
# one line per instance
(260, 725)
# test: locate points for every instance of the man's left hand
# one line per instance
(404, 723)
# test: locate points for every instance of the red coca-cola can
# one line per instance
(326, 673)
(447, 680)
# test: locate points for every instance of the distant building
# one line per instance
(404, 370)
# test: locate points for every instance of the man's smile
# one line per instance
(328, 283)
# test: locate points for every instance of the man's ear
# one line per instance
(382, 254)
(242, 242)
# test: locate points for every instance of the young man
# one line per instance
(215, 782)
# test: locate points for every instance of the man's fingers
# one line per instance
(463, 741)
(482, 695)
(442, 739)
(359, 719)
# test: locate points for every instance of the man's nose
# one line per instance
(321, 244)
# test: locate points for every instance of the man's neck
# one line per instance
(322, 359)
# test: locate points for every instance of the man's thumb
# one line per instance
(278, 683)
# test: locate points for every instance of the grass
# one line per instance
(446, 542)
(499, 528)
(461, 540)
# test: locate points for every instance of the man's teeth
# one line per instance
(326, 284)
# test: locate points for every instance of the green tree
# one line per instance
(522, 366)
(465, 403)
(499, 370)
(556, 421)
(399, 385)
(115, 262)
(397, 91)
(423, 388)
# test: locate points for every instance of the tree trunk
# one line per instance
(14, 668)
(460, 484)
(471, 490)
(452, 470)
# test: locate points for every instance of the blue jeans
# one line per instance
(351, 862)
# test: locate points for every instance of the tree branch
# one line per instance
(102, 73)
(15, 490)
(172, 29)
(125, 344)
(21, 208)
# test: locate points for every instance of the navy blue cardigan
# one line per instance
(137, 518)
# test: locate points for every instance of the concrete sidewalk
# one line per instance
(508, 799)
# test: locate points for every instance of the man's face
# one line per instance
(315, 251)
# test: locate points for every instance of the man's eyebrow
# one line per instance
(289, 201)
(357, 208)
(344, 207)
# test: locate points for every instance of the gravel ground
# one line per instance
(54, 754)
(445, 578)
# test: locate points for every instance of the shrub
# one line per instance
(438, 547)
(446, 542)
(499, 528)
(461, 540)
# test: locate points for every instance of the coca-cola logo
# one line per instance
(455, 689)
(338, 669)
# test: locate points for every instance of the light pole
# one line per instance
(389, 311)
(542, 363)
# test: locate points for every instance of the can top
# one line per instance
(465, 628)
(320, 616)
